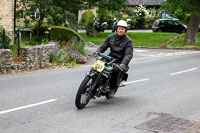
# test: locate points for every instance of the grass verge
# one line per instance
(154, 40)
(179, 43)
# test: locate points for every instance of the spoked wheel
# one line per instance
(84, 93)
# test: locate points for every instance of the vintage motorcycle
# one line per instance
(99, 26)
(114, 26)
(97, 80)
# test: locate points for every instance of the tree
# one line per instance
(72, 6)
(187, 6)
(70, 10)
(104, 6)
(38, 10)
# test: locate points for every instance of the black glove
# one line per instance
(122, 66)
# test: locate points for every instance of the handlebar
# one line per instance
(111, 59)
(96, 54)
(118, 67)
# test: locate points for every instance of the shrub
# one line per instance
(68, 56)
(87, 20)
(140, 14)
(63, 34)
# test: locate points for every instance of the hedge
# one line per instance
(87, 18)
(60, 33)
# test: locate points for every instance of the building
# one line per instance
(151, 5)
(147, 3)
(7, 16)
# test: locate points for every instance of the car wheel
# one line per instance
(182, 31)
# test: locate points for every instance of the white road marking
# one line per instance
(140, 50)
(143, 58)
(87, 66)
(183, 71)
(136, 81)
(27, 106)
(159, 55)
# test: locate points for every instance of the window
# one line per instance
(170, 22)
(35, 15)
(163, 22)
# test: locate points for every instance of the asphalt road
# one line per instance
(160, 82)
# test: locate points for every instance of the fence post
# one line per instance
(4, 39)
(18, 46)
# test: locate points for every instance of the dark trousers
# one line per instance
(115, 78)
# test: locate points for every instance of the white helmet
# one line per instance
(122, 23)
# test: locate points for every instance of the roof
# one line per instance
(146, 2)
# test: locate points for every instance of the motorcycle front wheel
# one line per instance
(84, 93)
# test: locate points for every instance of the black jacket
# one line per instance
(121, 48)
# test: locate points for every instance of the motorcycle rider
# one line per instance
(114, 27)
(121, 49)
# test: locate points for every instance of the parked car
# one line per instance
(168, 25)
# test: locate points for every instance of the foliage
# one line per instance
(184, 6)
(138, 17)
(70, 10)
(105, 6)
(183, 16)
(13, 49)
(33, 42)
(42, 7)
(71, 19)
(139, 14)
(178, 11)
(68, 56)
(8, 40)
(64, 34)
(72, 6)
(56, 16)
(152, 15)
(87, 20)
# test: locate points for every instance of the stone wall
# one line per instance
(5, 61)
(31, 58)
(7, 16)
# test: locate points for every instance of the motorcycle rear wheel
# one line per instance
(84, 94)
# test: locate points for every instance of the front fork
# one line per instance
(93, 74)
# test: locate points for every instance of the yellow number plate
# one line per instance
(99, 66)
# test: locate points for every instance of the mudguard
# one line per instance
(91, 74)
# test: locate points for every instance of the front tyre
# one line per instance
(84, 94)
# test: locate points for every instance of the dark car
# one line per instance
(168, 25)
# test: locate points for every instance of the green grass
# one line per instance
(179, 43)
(139, 39)
(97, 40)
(150, 39)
